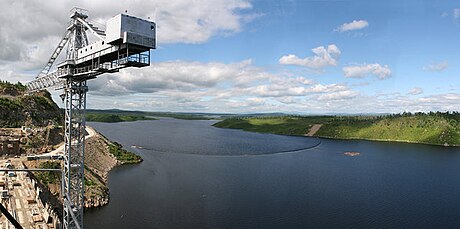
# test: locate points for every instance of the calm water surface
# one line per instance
(198, 176)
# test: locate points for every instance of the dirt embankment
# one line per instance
(314, 129)
(98, 163)
(98, 157)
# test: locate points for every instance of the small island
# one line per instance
(351, 154)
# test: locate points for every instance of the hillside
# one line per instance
(44, 132)
(428, 128)
(107, 117)
(115, 115)
(18, 109)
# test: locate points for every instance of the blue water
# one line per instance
(198, 176)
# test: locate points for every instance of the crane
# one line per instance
(126, 42)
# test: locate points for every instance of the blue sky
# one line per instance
(276, 56)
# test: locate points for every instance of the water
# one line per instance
(190, 180)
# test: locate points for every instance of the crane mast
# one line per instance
(125, 43)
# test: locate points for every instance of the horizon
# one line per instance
(268, 113)
(262, 56)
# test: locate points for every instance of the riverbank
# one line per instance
(101, 156)
(432, 128)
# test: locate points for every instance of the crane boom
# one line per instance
(55, 54)
(96, 31)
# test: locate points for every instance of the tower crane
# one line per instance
(126, 42)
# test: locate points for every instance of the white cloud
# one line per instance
(323, 57)
(177, 75)
(31, 30)
(416, 91)
(213, 86)
(341, 95)
(456, 13)
(354, 25)
(360, 71)
(438, 67)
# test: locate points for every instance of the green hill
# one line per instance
(429, 128)
(18, 109)
(107, 117)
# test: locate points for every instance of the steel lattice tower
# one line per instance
(74, 140)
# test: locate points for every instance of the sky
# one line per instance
(242, 56)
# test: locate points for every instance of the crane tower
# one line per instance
(126, 42)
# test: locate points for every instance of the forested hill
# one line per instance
(430, 128)
(18, 109)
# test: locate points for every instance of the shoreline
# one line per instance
(100, 159)
(386, 140)
(338, 138)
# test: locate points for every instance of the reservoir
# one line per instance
(197, 176)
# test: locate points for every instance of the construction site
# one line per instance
(25, 198)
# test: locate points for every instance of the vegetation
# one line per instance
(123, 155)
(287, 125)
(7, 86)
(430, 128)
(149, 115)
(48, 177)
(88, 181)
(103, 117)
(18, 109)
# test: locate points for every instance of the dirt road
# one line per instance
(313, 129)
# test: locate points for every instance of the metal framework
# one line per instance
(131, 50)
(74, 148)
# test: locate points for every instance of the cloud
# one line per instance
(438, 67)
(209, 86)
(323, 57)
(354, 25)
(341, 95)
(456, 13)
(361, 71)
(416, 91)
(177, 75)
(31, 30)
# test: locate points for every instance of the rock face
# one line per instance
(98, 162)
(97, 156)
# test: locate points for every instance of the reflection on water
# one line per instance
(183, 184)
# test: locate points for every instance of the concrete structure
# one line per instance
(21, 195)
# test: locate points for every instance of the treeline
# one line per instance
(17, 86)
(101, 117)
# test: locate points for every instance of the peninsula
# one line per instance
(435, 128)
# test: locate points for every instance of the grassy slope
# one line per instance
(123, 155)
(18, 109)
(104, 117)
(186, 116)
(287, 125)
(433, 128)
